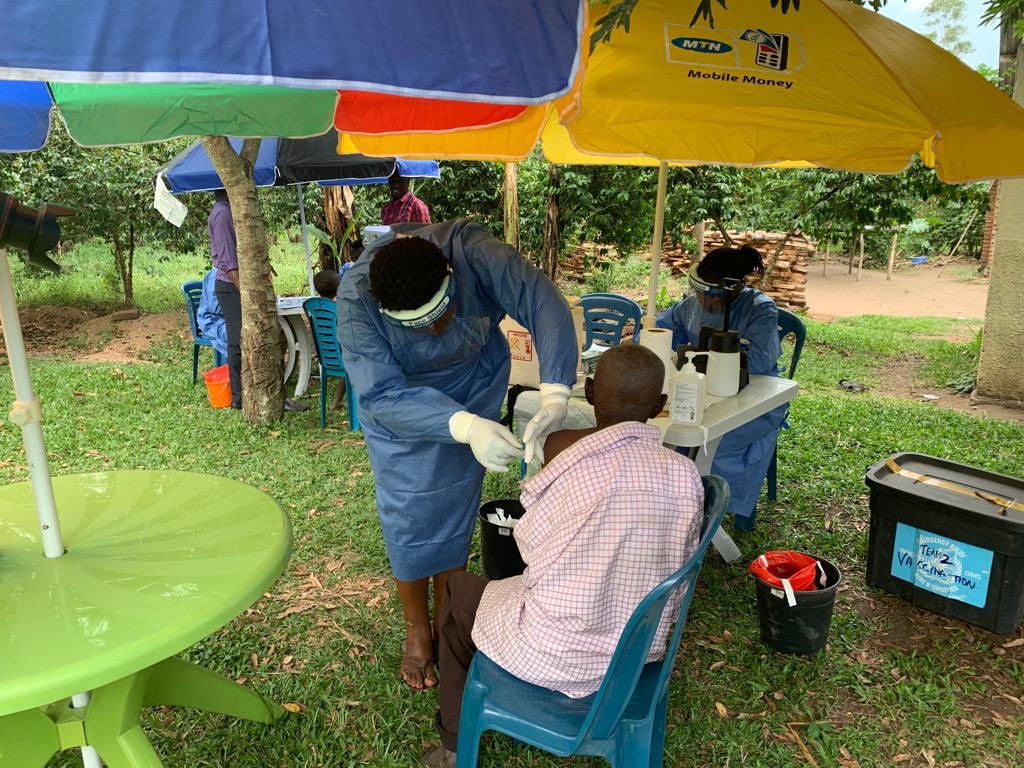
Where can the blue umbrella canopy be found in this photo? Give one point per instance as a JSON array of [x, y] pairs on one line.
[[293, 161]]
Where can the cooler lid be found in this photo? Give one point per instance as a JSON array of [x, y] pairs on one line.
[[999, 498]]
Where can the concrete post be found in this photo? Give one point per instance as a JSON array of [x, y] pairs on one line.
[[1001, 371]]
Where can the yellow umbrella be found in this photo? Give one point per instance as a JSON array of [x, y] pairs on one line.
[[830, 84]]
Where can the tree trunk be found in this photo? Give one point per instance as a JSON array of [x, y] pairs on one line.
[[860, 261], [123, 275], [510, 199], [698, 236], [549, 261], [129, 272], [338, 213], [892, 255], [824, 266], [262, 372], [724, 231]]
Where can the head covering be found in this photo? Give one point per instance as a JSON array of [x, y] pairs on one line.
[[427, 314]]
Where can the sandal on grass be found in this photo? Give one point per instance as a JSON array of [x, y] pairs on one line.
[[851, 386], [415, 668]]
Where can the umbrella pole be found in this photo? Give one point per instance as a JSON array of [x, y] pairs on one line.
[[90, 757], [27, 414], [659, 227], [305, 240]]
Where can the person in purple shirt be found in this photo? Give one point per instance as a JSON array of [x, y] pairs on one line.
[[224, 252]]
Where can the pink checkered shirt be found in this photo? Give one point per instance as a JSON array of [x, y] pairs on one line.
[[610, 518], [406, 208]]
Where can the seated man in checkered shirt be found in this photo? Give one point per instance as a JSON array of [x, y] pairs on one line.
[[612, 515]]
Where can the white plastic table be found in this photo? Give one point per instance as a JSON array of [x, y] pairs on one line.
[[300, 341], [761, 395]]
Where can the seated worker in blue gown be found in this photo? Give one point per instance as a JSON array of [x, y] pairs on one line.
[[209, 318], [744, 454], [419, 326]]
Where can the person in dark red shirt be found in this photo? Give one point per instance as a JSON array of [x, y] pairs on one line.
[[404, 205]]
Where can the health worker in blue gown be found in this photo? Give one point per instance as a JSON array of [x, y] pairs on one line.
[[744, 454], [418, 319]]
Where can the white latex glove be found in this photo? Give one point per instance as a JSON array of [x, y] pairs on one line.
[[492, 444], [554, 407]]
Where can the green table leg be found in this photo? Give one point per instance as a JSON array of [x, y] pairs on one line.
[[182, 684], [27, 739], [110, 723]]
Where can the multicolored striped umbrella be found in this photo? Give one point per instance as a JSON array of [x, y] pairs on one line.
[[256, 68]]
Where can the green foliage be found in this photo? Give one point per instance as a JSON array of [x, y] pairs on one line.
[[465, 190], [110, 188], [1014, 9], [611, 205]]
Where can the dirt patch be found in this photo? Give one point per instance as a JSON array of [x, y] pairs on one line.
[[917, 292], [53, 331], [130, 339], [56, 330], [899, 379]]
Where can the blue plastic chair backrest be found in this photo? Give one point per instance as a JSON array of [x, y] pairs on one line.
[[323, 319], [193, 292], [606, 315], [635, 643], [791, 324]]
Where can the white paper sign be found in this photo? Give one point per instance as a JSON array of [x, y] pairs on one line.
[[170, 207]]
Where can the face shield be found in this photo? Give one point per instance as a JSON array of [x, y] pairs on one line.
[[713, 297], [429, 313]]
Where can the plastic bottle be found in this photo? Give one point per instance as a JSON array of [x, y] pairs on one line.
[[688, 394], [724, 364]]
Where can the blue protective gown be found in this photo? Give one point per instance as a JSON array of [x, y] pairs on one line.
[[209, 318], [410, 382], [744, 454]]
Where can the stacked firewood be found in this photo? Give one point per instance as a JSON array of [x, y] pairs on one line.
[[587, 259], [787, 277]]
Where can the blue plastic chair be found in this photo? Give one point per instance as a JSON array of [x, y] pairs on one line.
[[788, 324], [193, 292], [323, 319], [624, 722], [606, 315]]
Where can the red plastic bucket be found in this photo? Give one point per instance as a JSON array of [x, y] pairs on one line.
[[218, 387]]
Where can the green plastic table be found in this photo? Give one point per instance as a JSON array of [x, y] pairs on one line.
[[155, 562]]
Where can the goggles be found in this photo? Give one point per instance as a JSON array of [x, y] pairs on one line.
[[429, 313]]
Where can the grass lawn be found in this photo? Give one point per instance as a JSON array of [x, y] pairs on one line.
[[896, 686]]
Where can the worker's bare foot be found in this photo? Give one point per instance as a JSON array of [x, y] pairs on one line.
[[417, 667]]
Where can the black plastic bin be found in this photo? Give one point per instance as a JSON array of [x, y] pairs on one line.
[[955, 548], [800, 629], [498, 548]]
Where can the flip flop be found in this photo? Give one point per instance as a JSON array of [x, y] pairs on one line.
[[851, 386], [415, 665]]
